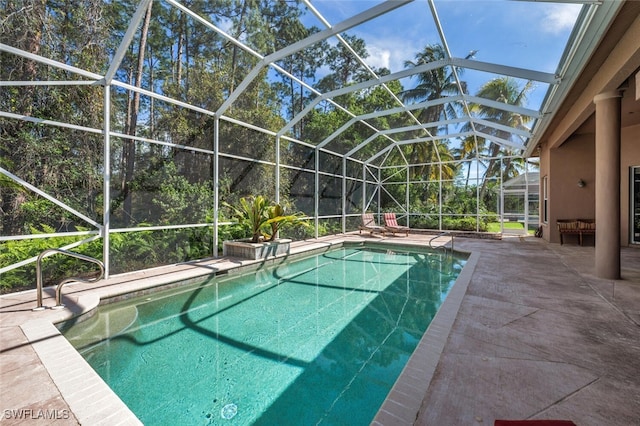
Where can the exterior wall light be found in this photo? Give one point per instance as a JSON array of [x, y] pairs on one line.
[[581, 183]]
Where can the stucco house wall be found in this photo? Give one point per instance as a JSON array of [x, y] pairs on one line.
[[572, 161], [575, 160]]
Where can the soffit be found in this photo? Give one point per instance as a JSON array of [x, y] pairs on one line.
[[584, 121]]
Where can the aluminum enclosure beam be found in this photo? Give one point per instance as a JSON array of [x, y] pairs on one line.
[[356, 20]]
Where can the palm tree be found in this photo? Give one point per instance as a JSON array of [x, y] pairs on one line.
[[432, 85], [505, 90], [469, 147]]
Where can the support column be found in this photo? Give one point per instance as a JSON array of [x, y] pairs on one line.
[[608, 185]]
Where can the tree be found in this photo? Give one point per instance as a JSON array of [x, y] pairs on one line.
[[303, 65], [62, 162], [432, 84], [343, 64], [133, 109], [22, 27], [505, 90], [469, 150]]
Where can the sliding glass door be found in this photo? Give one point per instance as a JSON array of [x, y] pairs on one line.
[[635, 205]]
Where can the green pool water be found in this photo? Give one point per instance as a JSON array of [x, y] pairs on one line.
[[320, 340]]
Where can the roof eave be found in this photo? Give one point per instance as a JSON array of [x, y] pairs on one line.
[[592, 25]]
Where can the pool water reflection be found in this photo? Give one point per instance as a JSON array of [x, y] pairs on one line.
[[317, 340]]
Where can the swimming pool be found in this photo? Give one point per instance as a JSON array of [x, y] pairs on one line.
[[318, 340]]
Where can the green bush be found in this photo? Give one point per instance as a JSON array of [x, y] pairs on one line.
[[231, 232], [464, 224], [54, 268], [425, 222], [129, 251], [145, 249]]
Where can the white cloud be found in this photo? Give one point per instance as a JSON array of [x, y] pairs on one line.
[[378, 57], [390, 52], [560, 17]]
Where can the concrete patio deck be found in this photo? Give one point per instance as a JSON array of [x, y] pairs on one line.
[[534, 335], [538, 336]]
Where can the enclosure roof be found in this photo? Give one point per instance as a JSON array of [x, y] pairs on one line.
[[530, 180], [541, 46]]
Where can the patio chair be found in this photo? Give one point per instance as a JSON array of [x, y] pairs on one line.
[[369, 224], [391, 224]]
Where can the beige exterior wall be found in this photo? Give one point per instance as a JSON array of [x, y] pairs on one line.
[[569, 163], [574, 160], [567, 147], [544, 176]]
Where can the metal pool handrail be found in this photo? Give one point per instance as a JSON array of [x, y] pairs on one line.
[[49, 252], [442, 234]]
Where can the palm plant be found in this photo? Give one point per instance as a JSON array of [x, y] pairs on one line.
[[276, 218], [468, 150], [505, 90], [258, 215], [448, 169], [432, 84]]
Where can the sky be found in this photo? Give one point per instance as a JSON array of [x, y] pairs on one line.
[[523, 34], [530, 35]]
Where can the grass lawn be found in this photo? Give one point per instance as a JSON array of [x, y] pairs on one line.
[[495, 226]]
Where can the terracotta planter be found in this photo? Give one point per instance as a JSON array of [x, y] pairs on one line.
[[255, 251]]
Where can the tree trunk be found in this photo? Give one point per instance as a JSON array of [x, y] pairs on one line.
[[129, 149], [180, 52], [30, 37], [234, 61]]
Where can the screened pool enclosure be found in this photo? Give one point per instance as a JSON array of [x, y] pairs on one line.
[[128, 128]]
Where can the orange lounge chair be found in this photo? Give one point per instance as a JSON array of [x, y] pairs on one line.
[[369, 224], [391, 224]]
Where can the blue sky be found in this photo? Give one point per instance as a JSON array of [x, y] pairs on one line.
[[515, 33], [523, 34]]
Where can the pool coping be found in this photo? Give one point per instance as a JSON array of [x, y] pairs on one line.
[[92, 401], [403, 402]]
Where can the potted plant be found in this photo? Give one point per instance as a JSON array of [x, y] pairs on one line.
[[263, 221]]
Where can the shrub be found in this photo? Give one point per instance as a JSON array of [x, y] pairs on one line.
[[54, 268]]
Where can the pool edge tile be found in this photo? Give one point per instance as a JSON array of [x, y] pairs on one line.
[[49, 345], [426, 356]]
